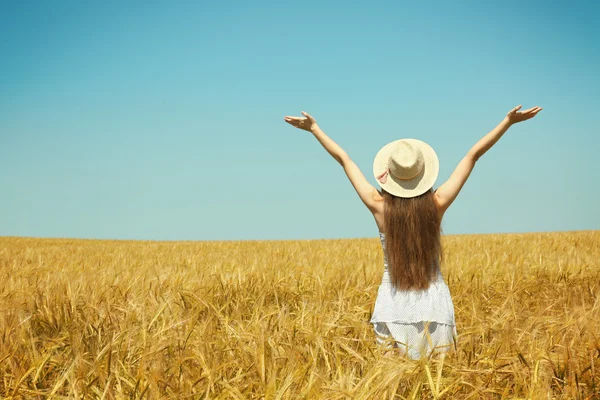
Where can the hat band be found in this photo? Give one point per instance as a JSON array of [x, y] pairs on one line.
[[382, 178]]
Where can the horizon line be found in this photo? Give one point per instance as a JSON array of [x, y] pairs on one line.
[[278, 240]]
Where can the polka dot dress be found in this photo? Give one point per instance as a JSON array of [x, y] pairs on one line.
[[417, 322]]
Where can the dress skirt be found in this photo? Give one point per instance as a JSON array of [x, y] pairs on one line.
[[418, 339], [419, 322]]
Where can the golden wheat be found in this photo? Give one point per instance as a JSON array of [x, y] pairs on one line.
[[289, 320]]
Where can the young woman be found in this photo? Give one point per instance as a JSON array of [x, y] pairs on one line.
[[413, 308]]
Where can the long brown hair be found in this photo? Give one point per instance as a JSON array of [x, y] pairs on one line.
[[412, 239]]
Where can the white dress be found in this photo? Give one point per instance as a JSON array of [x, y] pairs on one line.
[[420, 322]]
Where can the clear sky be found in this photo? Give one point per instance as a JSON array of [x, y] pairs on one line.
[[164, 120]]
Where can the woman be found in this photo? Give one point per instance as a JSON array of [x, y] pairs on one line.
[[413, 308]]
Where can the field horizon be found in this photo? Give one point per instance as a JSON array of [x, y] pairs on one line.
[[282, 240]]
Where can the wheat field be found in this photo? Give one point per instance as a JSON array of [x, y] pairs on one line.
[[289, 320]]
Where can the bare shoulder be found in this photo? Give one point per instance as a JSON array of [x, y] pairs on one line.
[[378, 209], [439, 204], [377, 196], [378, 202]]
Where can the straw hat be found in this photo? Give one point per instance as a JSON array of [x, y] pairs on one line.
[[406, 167]]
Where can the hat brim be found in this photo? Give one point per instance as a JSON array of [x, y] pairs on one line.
[[408, 187]]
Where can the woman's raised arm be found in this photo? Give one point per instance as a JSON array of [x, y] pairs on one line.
[[446, 193], [367, 193]]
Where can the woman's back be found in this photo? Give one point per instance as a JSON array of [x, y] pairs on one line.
[[412, 227]]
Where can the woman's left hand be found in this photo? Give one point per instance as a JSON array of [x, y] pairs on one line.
[[307, 124], [515, 116]]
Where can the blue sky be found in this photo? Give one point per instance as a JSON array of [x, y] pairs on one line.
[[164, 120]]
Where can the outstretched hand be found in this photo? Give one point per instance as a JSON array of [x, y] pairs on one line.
[[307, 124], [515, 115]]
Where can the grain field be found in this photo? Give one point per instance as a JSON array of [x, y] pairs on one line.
[[289, 320]]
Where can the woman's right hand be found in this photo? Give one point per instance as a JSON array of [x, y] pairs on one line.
[[515, 115], [308, 123]]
